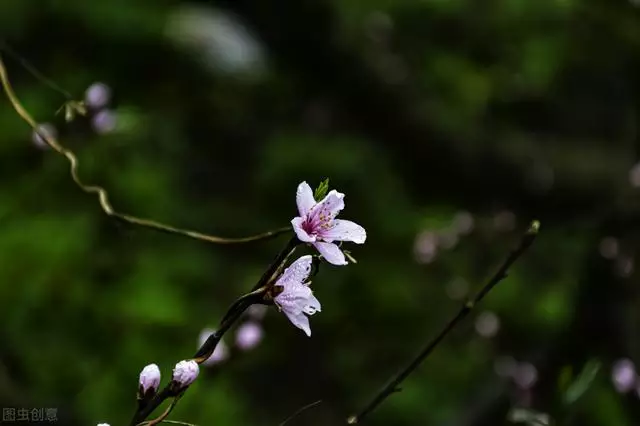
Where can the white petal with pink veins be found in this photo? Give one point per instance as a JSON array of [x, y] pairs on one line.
[[302, 235], [304, 199], [297, 273], [329, 207], [296, 300], [344, 230], [331, 253]]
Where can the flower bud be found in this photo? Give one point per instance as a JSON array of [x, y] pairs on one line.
[[257, 312], [45, 129], [220, 353], [185, 373], [624, 375], [248, 335], [104, 121], [97, 95], [149, 380]]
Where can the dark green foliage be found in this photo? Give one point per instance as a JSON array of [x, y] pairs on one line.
[[421, 112]]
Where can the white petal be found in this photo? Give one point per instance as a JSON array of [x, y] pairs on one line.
[[302, 235], [297, 273], [304, 199], [300, 320], [294, 297], [312, 306], [331, 205], [331, 253], [344, 230]]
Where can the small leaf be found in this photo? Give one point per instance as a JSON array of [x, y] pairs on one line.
[[80, 107], [69, 113], [348, 255], [71, 108], [583, 382], [321, 190]]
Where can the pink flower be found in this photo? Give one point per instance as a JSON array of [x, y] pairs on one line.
[[318, 226], [296, 299]]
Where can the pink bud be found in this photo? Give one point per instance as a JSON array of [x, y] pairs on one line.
[[624, 375], [104, 121], [45, 129], [97, 95], [248, 335], [185, 373], [149, 379], [220, 353]]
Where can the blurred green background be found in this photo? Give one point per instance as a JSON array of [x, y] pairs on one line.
[[449, 124]]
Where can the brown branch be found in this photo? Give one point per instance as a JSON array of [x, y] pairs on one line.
[[103, 196], [234, 312], [392, 386]]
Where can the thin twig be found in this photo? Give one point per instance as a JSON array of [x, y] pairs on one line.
[[102, 194], [234, 312], [200, 356], [277, 265], [4, 45], [163, 415], [392, 386], [300, 411]]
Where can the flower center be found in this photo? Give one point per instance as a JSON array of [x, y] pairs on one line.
[[308, 227], [318, 221]]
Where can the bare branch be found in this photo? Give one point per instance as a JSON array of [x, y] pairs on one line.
[[103, 196], [392, 386]]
